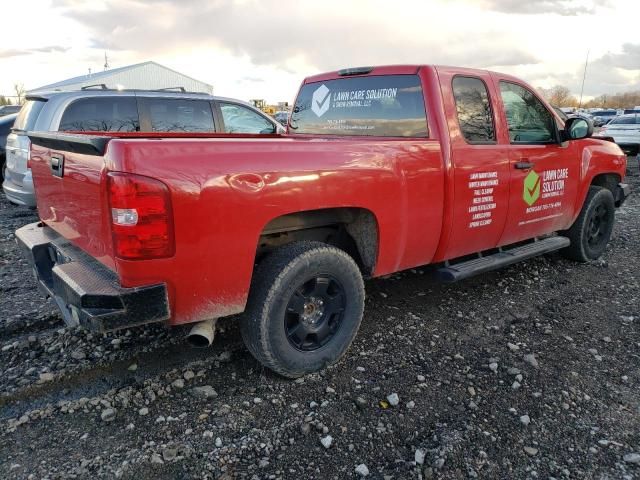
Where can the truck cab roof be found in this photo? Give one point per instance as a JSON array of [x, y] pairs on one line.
[[408, 69]]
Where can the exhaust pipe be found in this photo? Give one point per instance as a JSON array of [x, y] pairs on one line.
[[202, 333]]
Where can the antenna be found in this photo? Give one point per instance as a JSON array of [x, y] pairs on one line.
[[584, 75], [89, 72], [106, 62]]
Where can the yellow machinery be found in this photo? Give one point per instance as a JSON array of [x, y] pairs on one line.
[[262, 105]]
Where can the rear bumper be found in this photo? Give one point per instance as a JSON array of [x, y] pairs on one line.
[[87, 292], [622, 192], [21, 194]]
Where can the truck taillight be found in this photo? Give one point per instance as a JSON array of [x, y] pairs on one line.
[[141, 217], [29, 155]]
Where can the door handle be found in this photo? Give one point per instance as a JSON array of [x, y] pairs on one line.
[[523, 165], [57, 165]]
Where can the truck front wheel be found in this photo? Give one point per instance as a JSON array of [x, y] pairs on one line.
[[304, 309], [592, 229]]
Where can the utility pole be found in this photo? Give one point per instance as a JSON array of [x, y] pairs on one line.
[[584, 75], [106, 62]]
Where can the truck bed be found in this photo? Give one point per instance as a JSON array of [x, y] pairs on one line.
[[225, 189]]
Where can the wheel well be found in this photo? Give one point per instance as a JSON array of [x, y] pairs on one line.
[[607, 180], [354, 230]]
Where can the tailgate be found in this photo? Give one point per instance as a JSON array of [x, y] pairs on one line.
[[68, 176]]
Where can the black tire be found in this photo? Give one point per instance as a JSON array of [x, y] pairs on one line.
[[286, 304], [591, 231]]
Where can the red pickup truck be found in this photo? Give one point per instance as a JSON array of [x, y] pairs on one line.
[[382, 169]]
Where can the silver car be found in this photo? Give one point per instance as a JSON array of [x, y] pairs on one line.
[[625, 130], [18, 183], [122, 111]]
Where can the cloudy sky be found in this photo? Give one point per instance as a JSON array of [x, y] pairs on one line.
[[263, 48]]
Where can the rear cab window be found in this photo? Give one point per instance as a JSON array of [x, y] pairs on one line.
[[385, 106], [101, 114]]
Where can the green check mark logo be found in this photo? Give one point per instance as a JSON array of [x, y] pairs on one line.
[[531, 191]]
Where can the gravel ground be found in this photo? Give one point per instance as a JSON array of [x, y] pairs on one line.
[[528, 372]]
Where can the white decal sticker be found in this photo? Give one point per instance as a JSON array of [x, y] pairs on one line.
[[482, 202], [321, 100], [547, 185]]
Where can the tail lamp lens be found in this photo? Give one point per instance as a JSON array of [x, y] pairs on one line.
[[141, 217]]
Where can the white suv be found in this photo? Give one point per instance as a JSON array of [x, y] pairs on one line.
[[122, 111]]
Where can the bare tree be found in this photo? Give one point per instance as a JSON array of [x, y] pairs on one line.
[[618, 100], [559, 96], [20, 91]]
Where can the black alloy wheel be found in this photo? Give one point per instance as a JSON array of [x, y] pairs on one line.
[[304, 308], [314, 313]]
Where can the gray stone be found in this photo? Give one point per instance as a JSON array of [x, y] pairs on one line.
[[632, 458], [205, 391], [326, 441], [46, 377], [362, 470], [78, 355], [169, 454], [178, 383], [393, 399], [531, 451], [108, 414], [530, 358]]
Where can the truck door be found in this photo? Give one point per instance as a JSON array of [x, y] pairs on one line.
[[480, 163], [544, 172]]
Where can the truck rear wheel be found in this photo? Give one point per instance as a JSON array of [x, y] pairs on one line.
[[304, 309], [592, 229]]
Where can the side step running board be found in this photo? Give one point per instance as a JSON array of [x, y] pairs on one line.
[[469, 268]]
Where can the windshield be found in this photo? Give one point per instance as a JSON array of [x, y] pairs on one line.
[[626, 120], [385, 105], [28, 115]]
